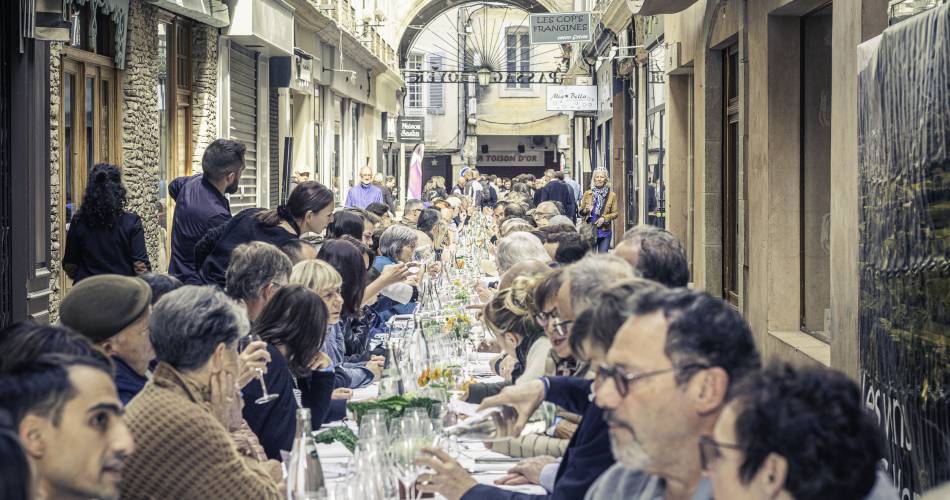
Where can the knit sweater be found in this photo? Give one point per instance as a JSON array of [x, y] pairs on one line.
[[182, 451]]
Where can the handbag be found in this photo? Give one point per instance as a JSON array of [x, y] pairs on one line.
[[588, 233]]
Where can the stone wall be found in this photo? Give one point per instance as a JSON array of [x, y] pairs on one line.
[[55, 186], [204, 96], [140, 126]]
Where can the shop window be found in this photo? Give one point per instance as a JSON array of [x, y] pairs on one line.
[[816, 172], [517, 57], [730, 177], [656, 137], [414, 93], [175, 83]]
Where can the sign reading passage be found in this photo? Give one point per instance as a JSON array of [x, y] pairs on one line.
[[510, 159], [565, 27], [572, 97], [411, 129]]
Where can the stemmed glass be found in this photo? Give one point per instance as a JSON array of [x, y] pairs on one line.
[[266, 397]]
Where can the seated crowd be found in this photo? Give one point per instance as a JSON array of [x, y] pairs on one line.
[[186, 385]]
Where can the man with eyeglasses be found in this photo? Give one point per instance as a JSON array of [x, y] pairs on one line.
[[543, 213], [256, 272], [666, 379]]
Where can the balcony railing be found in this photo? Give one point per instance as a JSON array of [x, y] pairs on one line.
[[344, 15]]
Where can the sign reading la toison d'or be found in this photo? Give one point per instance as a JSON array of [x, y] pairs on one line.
[[563, 27]]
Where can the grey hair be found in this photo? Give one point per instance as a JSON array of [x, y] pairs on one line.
[[561, 220], [601, 170], [187, 325], [253, 266], [593, 274], [517, 247], [395, 238], [411, 205], [660, 255]]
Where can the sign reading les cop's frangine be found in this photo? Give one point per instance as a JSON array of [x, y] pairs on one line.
[[572, 97], [562, 27], [410, 129]]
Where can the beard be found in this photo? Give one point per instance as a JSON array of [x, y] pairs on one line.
[[233, 187], [631, 455]]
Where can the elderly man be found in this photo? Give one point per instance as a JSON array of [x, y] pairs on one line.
[[364, 193], [666, 379], [180, 420], [113, 311], [544, 212], [256, 271], [68, 418], [588, 453], [200, 203], [655, 254], [517, 247]]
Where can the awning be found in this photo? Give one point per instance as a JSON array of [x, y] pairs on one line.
[[211, 12], [263, 25], [655, 7]]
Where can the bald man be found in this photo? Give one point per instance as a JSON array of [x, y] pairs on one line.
[[364, 193]]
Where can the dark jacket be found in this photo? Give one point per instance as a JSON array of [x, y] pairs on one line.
[[588, 454], [388, 199], [213, 252], [559, 191], [127, 382], [274, 423], [106, 250], [199, 206]]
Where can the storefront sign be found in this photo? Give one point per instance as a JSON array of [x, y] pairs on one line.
[[411, 129], [572, 98], [563, 27], [605, 87], [463, 77], [510, 159]]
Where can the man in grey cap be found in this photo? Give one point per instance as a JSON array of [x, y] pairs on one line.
[[113, 312]]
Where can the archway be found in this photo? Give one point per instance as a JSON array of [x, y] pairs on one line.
[[425, 11]]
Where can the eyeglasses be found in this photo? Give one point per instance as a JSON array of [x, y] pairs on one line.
[[561, 327], [710, 451], [622, 379], [544, 316]]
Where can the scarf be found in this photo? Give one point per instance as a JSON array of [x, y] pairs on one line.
[[600, 200]]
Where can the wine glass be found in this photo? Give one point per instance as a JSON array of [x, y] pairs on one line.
[[266, 397]]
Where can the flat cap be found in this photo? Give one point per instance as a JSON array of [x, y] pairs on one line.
[[100, 306]]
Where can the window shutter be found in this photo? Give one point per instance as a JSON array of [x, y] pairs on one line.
[[436, 91]]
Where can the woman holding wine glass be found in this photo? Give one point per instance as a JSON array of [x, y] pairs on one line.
[[294, 325]]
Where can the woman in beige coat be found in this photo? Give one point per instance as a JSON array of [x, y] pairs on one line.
[[598, 208]]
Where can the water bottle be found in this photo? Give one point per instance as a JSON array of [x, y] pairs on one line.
[[304, 474]]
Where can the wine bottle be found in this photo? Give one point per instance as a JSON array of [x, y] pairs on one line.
[[304, 474], [491, 424]]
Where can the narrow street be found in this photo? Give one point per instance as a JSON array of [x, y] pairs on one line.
[[797, 150]]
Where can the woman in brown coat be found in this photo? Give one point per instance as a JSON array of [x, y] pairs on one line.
[[599, 208]]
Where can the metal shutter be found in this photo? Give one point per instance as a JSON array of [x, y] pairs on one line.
[[243, 117], [274, 153]]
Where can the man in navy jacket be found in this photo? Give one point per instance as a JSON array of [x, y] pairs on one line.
[[200, 204], [558, 190]]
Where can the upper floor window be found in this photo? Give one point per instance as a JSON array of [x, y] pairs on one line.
[[414, 92], [517, 56]]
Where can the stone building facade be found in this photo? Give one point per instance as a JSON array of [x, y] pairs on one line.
[[137, 128]]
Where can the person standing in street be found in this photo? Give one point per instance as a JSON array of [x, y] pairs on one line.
[[599, 208], [379, 180], [200, 204], [557, 190], [103, 238], [575, 187], [361, 195]]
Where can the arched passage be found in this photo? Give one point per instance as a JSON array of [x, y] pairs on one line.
[[425, 11]]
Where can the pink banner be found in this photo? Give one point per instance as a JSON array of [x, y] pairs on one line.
[[415, 172]]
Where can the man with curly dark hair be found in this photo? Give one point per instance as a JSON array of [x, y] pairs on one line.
[[799, 433]]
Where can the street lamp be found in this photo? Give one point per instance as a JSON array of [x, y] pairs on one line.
[[484, 76]]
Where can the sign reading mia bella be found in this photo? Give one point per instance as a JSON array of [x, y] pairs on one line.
[[572, 97], [563, 27], [410, 129], [510, 159]]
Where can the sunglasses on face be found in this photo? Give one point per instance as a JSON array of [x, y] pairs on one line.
[[710, 451], [622, 380]]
